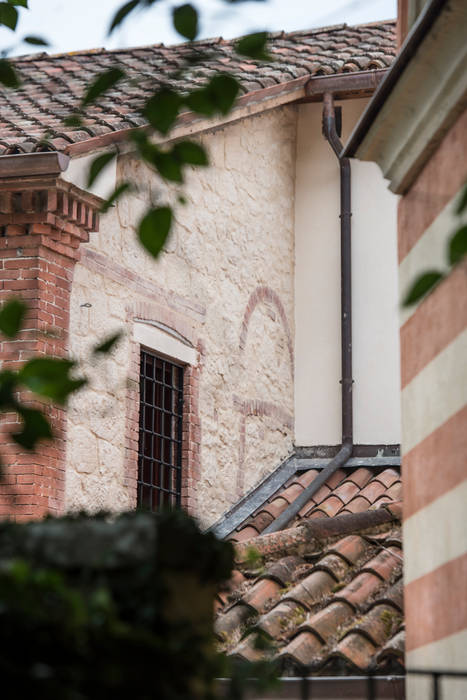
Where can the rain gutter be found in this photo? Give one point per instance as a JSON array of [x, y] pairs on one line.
[[330, 132]]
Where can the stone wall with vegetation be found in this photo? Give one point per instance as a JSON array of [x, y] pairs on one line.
[[225, 283]]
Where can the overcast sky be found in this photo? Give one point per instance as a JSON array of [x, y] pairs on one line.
[[70, 25]]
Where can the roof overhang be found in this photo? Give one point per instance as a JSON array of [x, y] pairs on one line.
[[304, 89], [419, 99]]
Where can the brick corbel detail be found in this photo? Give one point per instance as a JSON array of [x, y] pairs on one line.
[[43, 221]]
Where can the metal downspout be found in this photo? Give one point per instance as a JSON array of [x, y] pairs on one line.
[[345, 451]]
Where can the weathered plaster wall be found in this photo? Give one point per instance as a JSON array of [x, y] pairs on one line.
[[317, 292], [225, 282]]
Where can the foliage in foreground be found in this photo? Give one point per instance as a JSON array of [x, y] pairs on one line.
[[456, 250], [121, 606], [52, 378]]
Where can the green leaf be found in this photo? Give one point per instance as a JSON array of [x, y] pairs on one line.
[[191, 153], [161, 110], [8, 15], [97, 165], [217, 96], [185, 21], [115, 196], [121, 13], [19, 3], [107, 345], [50, 377], [422, 285], [458, 245], [154, 229], [199, 101], [12, 315], [36, 41], [101, 84], [8, 382], [35, 427], [168, 166], [8, 75], [224, 89], [462, 205], [73, 120], [254, 46]]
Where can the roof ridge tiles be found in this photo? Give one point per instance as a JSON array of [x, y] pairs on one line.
[[210, 41], [306, 534]]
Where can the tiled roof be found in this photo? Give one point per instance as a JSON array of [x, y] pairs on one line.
[[344, 492], [53, 85], [324, 601]]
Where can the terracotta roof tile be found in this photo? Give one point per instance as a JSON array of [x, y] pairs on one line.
[[329, 592], [362, 476], [346, 491], [339, 612], [357, 505], [330, 506], [261, 594], [53, 85], [373, 490], [392, 654]]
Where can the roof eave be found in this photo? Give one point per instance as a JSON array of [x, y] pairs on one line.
[[304, 89], [414, 106]]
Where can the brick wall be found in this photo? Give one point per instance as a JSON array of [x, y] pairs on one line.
[[40, 234]]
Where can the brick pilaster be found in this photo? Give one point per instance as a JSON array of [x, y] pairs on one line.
[[42, 223]]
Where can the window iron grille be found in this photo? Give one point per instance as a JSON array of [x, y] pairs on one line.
[[160, 433]]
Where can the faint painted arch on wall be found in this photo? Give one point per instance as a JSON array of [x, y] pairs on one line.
[[266, 419], [260, 295]]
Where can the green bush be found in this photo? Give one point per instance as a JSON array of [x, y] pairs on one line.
[[110, 607]]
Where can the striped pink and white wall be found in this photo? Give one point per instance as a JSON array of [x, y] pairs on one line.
[[434, 417]]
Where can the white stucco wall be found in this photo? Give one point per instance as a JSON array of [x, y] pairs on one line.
[[234, 237], [317, 292]]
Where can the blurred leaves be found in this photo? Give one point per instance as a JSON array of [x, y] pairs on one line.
[[121, 14], [9, 15], [190, 153], [53, 379], [154, 229], [107, 345], [456, 251], [423, 284], [458, 246], [35, 41], [254, 46], [462, 204], [50, 378], [161, 110], [8, 75], [217, 96], [12, 315], [104, 81], [185, 21], [97, 165], [115, 196], [35, 427], [73, 120]]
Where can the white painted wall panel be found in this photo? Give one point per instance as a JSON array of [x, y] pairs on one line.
[[317, 292]]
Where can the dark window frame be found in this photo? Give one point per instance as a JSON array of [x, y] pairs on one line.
[[159, 480]]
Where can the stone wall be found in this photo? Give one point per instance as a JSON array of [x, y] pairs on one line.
[[225, 283]]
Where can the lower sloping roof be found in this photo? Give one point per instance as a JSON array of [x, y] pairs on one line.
[[325, 595]]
